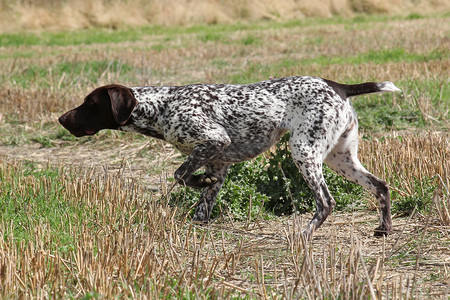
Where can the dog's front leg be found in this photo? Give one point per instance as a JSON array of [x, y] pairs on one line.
[[202, 154], [209, 194]]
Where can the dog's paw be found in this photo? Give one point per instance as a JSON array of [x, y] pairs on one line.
[[381, 231], [202, 180], [208, 180]]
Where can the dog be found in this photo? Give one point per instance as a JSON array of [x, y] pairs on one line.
[[217, 125]]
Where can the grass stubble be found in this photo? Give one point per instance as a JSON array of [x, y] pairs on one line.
[[97, 229], [115, 239]]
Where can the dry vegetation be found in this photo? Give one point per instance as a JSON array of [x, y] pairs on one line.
[[132, 246], [129, 244], [76, 14], [94, 220]]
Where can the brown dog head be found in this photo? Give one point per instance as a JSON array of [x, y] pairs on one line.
[[107, 107]]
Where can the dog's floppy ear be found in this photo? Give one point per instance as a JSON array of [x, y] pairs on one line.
[[122, 103]]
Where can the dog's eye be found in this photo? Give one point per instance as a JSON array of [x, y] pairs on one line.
[[89, 102]]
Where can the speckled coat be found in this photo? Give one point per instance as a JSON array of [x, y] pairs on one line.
[[217, 125]]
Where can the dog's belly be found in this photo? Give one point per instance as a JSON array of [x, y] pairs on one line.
[[246, 148], [243, 146]]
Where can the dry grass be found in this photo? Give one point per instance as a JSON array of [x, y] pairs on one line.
[[407, 158], [129, 243], [136, 247], [115, 14]]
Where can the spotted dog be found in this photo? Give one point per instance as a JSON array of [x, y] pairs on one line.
[[217, 125]]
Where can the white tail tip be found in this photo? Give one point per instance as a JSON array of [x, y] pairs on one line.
[[388, 86]]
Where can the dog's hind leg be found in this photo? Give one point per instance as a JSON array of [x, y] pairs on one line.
[[308, 159], [209, 194], [344, 161]]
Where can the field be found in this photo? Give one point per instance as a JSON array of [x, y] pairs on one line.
[[92, 217]]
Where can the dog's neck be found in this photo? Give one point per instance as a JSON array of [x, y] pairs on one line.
[[146, 117]]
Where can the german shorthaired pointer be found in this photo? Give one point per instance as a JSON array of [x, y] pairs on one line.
[[217, 125]]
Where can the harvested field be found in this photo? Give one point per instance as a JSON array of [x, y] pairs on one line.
[[91, 217]]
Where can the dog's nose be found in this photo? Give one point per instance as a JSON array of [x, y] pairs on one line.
[[62, 119]]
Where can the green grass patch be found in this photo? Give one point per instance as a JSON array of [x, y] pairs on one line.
[[427, 105], [58, 204], [49, 76], [250, 40], [259, 71], [377, 113], [77, 37], [19, 54], [31, 198], [45, 141], [380, 57], [211, 37], [158, 47], [103, 35]]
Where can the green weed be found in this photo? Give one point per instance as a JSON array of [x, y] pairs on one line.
[[250, 40], [414, 16], [239, 190], [288, 189], [158, 47], [211, 37], [45, 141], [420, 198], [272, 184]]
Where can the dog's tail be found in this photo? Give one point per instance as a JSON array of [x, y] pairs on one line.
[[351, 90]]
